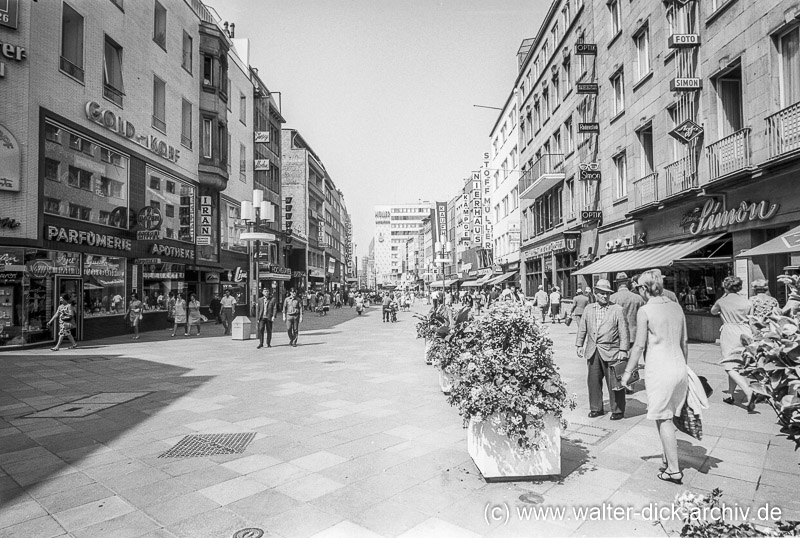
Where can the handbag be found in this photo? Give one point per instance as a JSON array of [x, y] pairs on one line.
[[203, 318], [617, 369], [689, 423], [568, 321]]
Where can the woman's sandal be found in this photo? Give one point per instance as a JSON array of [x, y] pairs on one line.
[[751, 405], [74, 347], [55, 349], [728, 400], [668, 477]]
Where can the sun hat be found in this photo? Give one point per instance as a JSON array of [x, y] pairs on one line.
[[603, 285], [621, 277]]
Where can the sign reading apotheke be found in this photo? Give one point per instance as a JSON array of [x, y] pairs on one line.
[[110, 120], [80, 237]]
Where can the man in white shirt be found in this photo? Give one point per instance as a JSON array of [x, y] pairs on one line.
[[228, 306]]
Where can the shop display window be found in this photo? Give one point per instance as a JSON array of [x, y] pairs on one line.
[[168, 193], [103, 286], [86, 181], [159, 280], [238, 291]]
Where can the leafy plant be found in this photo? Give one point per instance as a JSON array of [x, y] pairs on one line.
[[703, 517], [504, 372]]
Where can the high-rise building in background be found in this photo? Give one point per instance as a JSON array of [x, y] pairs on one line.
[[394, 225]]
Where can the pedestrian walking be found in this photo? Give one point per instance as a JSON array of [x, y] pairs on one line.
[[134, 314], [579, 303], [180, 315], [214, 307], [386, 306], [604, 331], [266, 310], [359, 303], [292, 316], [66, 320], [734, 309], [540, 300], [661, 339], [629, 301], [193, 318], [171, 307], [762, 305], [555, 305], [590, 295], [228, 307]]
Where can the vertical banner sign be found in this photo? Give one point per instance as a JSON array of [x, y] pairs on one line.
[[486, 173], [204, 237], [441, 220], [474, 212]]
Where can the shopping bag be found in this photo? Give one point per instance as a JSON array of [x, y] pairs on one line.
[[689, 423], [568, 321]]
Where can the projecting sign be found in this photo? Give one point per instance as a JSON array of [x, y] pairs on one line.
[[590, 128], [261, 164], [261, 137], [683, 40], [685, 84], [203, 240], [10, 161], [589, 172], [586, 49], [588, 87], [686, 131], [589, 216]]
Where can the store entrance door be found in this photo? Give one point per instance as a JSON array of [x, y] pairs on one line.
[[74, 287]]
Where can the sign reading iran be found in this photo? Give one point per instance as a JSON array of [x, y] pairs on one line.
[[80, 237], [712, 216]]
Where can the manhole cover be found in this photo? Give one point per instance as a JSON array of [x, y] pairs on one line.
[[212, 444], [531, 498], [248, 533]]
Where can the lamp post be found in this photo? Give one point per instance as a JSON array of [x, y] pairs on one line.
[[443, 247], [254, 214]]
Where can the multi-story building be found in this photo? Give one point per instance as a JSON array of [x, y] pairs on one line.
[[689, 149], [116, 126], [394, 225], [502, 171]]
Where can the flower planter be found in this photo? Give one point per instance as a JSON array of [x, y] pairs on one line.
[[445, 381], [428, 344], [499, 459]]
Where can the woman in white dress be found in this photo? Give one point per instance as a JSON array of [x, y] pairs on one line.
[[661, 335]]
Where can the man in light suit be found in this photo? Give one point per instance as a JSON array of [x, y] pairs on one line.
[[630, 303], [605, 332]]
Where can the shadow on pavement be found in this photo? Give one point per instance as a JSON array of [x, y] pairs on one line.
[[34, 450]]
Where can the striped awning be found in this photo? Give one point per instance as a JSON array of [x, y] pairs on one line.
[[501, 278], [447, 283], [646, 258], [470, 284], [783, 244]]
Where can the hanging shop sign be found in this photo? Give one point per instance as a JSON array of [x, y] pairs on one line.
[[212, 277], [586, 49], [591, 216], [10, 161], [170, 251], [9, 13], [713, 217], [109, 119], [683, 84], [588, 88], [589, 128], [149, 218], [441, 219], [626, 242], [204, 235], [81, 237], [683, 40], [331, 265], [589, 172], [261, 164], [298, 274], [261, 137], [686, 131]]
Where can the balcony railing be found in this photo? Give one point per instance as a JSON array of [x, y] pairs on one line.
[[550, 165], [783, 129], [729, 154], [645, 190], [681, 175]]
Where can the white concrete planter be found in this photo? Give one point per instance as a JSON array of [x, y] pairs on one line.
[[445, 381], [499, 459]]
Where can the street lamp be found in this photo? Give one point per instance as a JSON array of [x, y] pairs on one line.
[[254, 214], [442, 248]]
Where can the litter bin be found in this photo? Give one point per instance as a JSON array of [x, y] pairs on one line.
[[240, 328]]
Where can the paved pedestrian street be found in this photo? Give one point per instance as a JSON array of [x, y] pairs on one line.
[[347, 434]]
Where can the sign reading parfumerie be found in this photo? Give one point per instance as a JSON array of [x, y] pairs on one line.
[[80, 237]]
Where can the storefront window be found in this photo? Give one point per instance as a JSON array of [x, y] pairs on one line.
[[159, 281], [176, 201], [103, 286], [231, 227], [83, 179]]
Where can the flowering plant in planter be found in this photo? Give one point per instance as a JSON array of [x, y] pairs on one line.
[[772, 362], [505, 373]]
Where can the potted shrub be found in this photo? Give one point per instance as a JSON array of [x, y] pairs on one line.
[[772, 362], [510, 394], [426, 329]]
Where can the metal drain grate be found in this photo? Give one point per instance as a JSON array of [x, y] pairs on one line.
[[588, 435], [210, 444], [250, 532]]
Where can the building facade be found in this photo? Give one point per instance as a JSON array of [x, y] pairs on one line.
[[113, 183], [394, 225]]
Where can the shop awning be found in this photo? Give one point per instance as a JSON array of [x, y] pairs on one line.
[[783, 244], [447, 283], [470, 284], [646, 258], [699, 263], [274, 276], [501, 278]]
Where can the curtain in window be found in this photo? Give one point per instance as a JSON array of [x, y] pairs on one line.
[[790, 43], [730, 99], [72, 36]]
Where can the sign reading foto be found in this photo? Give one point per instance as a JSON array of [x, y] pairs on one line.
[[683, 40]]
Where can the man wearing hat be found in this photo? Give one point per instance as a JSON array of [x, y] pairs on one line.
[[579, 304], [630, 303], [605, 332]]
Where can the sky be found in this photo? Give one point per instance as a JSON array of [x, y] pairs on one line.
[[384, 90]]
